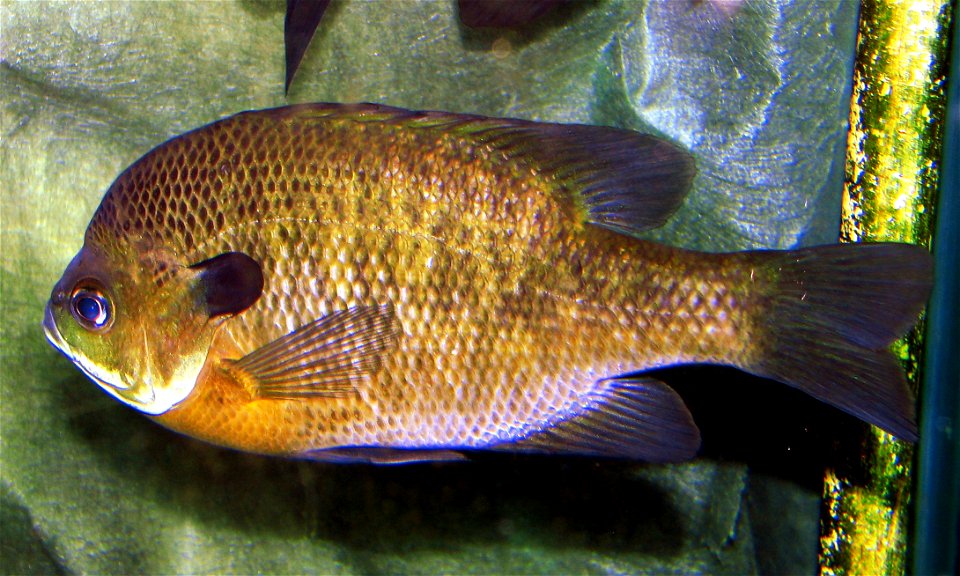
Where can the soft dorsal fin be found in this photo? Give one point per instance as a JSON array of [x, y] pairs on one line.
[[628, 181], [625, 180], [634, 418], [325, 358]]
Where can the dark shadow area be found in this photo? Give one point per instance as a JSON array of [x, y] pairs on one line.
[[563, 14], [787, 439], [539, 501], [773, 428], [549, 502]]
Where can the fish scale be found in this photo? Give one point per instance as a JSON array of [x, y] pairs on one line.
[[441, 282]]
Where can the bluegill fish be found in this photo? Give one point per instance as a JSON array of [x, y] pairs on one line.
[[364, 283]]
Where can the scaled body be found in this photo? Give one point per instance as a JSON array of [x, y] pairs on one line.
[[432, 282]]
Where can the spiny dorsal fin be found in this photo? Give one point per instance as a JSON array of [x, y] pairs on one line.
[[325, 358], [635, 418], [626, 180]]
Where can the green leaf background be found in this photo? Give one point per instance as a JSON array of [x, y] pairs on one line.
[[758, 92]]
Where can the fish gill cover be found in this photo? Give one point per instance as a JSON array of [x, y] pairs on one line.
[[757, 92]]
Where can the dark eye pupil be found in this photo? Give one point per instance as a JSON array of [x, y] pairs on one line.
[[89, 308]]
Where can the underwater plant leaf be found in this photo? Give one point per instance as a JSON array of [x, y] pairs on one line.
[[757, 92]]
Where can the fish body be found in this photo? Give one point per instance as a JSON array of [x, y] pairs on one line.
[[359, 282]]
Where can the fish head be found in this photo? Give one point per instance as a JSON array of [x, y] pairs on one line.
[[139, 323]]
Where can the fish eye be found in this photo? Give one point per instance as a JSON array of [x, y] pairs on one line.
[[91, 308]]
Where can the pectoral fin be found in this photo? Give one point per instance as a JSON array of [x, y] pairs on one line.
[[325, 358], [633, 418]]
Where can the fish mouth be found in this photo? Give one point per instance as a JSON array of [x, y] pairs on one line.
[[52, 333], [56, 340]]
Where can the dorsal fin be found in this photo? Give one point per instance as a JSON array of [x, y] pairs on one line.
[[628, 181], [625, 180], [325, 358]]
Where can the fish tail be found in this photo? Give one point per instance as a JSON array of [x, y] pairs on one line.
[[829, 321]]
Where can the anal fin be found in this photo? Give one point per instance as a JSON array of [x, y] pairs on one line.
[[325, 358], [382, 455], [634, 418]]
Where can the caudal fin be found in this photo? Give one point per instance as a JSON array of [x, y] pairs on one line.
[[832, 315]]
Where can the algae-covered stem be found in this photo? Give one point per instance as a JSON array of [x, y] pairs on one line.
[[938, 463], [892, 175]]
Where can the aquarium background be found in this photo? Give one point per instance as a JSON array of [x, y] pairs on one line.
[[758, 92]]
